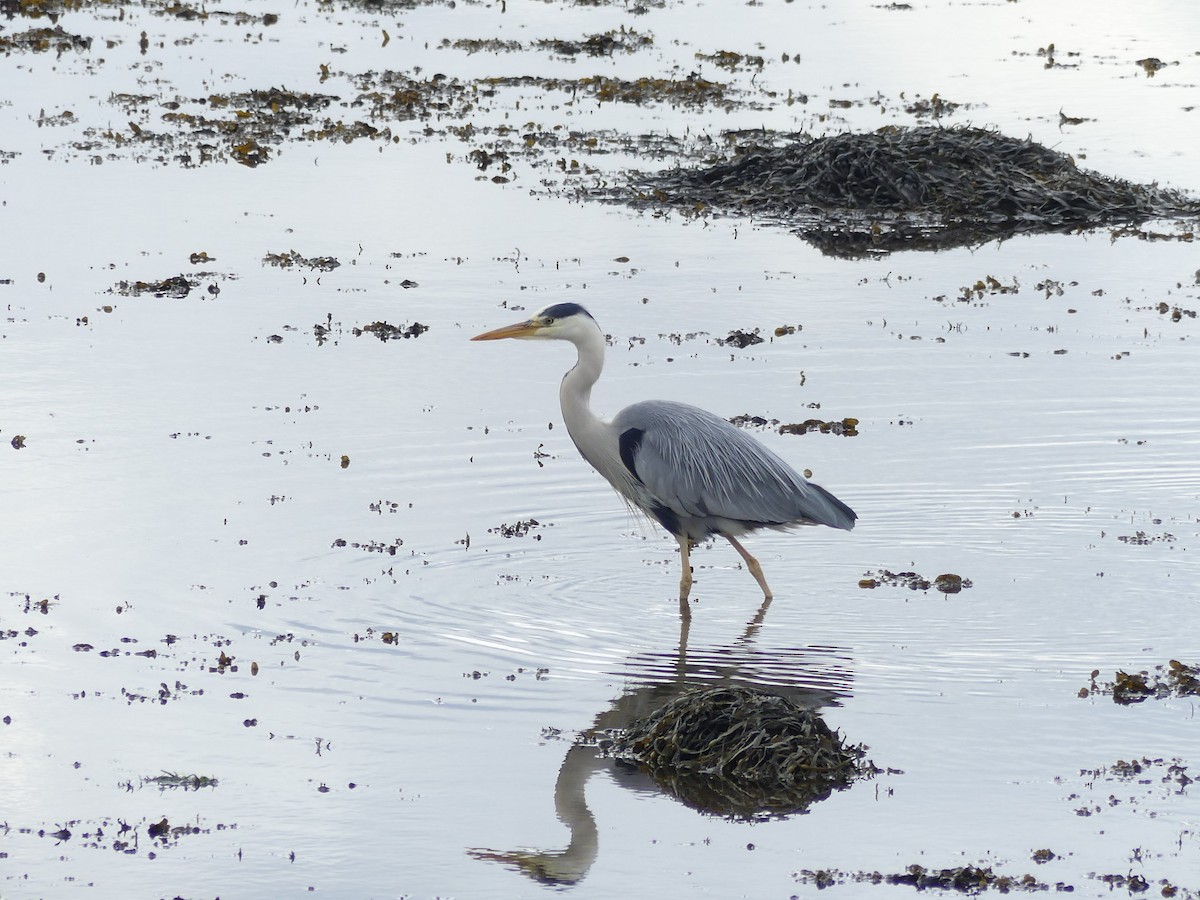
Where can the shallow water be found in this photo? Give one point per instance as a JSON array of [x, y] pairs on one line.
[[421, 678]]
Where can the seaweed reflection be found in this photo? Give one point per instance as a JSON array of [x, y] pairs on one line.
[[773, 690]]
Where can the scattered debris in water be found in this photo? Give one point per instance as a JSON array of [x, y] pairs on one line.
[[40, 40], [972, 879], [1141, 539], [748, 420], [399, 97], [176, 287], [331, 330], [244, 127], [1175, 679], [291, 258], [741, 752], [481, 45], [388, 548], [965, 879], [987, 286], [1175, 777], [1177, 313], [386, 332], [517, 529], [731, 60], [690, 91], [947, 583], [934, 108], [176, 780], [120, 836], [1151, 65], [1146, 783], [740, 339], [623, 40], [860, 194], [369, 634], [847, 427]]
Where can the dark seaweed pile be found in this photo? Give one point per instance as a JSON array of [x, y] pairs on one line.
[[744, 753], [908, 188]]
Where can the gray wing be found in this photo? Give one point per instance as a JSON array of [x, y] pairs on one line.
[[701, 470]]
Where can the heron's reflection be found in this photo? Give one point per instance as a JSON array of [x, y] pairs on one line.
[[810, 677]]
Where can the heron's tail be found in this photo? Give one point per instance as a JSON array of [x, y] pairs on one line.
[[826, 509]]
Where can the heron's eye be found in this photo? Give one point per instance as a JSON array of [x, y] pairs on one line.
[[549, 320]]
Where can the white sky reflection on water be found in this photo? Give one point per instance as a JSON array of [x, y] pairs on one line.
[[181, 471]]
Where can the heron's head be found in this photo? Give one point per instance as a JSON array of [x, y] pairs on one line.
[[561, 321]]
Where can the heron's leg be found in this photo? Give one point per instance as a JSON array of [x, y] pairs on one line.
[[752, 565], [685, 581]]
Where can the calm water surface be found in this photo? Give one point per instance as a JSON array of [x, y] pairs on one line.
[[231, 550]]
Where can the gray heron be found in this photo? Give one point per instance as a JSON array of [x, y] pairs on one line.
[[693, 472]]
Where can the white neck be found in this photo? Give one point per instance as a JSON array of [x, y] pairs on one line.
[[575, 393]]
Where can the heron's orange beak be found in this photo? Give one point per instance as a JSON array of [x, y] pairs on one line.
[[524, 329]]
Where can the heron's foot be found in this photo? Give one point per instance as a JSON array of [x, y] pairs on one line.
[[752, 565], [757, 572]]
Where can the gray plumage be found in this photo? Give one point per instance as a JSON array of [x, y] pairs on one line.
[[704, 476], [692, 471]]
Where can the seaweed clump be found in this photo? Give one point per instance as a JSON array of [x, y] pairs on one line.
[[287, 259], [1175, 679], [743, 753], [244, 127], [692, 91], [41, 40], [517, 529], [176, 287], [388, 332], [847, 427], [928, 187], [947, 582]]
